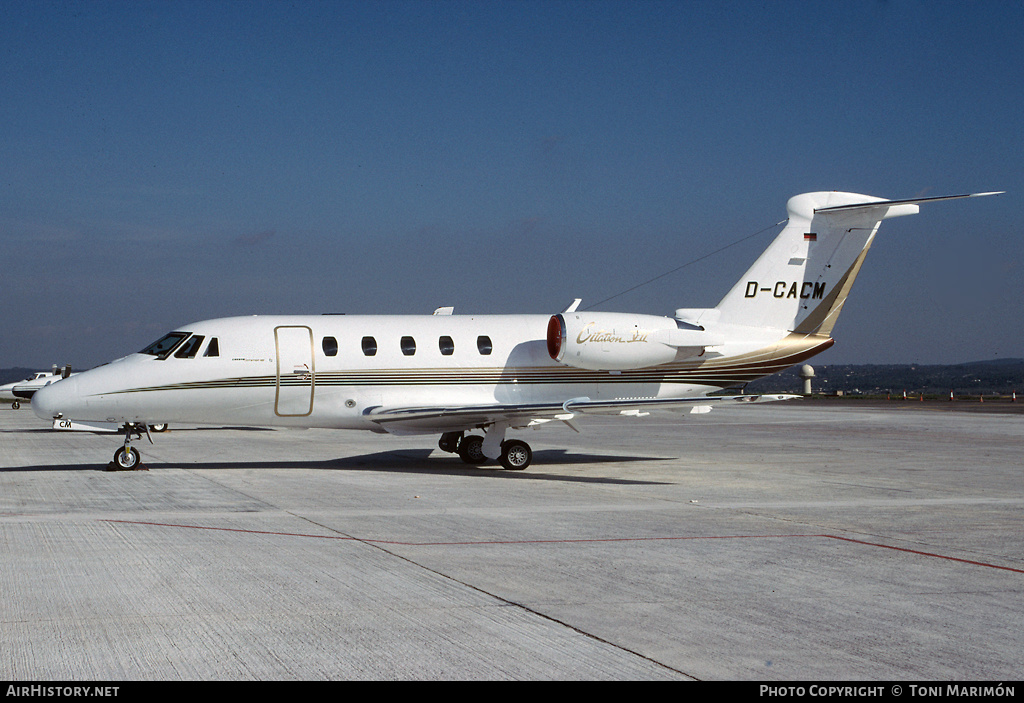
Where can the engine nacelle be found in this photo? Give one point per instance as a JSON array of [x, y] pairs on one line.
[[609, 341]]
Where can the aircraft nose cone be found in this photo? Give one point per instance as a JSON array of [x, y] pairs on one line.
[[49, 401]]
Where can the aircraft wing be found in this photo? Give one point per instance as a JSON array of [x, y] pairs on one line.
[[416, 420]]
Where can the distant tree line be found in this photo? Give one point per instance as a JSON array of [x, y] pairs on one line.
[[17, 374], [988, 377]]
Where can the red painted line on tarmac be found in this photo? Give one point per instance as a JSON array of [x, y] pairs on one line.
[[447, 544], [235, 529], [926, 554], [570, 541]]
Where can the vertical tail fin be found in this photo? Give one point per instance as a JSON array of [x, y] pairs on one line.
[[801, 281]]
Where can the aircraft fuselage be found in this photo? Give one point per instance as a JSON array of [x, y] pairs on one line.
[[334, 371]]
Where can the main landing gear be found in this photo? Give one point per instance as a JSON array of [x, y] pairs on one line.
[[513, 454]]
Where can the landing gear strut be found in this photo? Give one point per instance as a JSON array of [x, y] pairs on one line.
[[515, 454]]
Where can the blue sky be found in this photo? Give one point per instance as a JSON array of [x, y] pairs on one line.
[[167, 162]]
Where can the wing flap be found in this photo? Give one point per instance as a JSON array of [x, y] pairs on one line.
[[430, 420]]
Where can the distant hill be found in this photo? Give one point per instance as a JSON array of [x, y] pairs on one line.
[[1002, 376], [15, 374], [995, 362]]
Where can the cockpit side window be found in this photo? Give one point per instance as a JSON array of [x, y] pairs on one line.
[[213, 349], [163, 347], [189, 349]]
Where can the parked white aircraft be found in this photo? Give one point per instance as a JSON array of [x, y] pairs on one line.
[[24, 390], [452, 374], [7, 390]]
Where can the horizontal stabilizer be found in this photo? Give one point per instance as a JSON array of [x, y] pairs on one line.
[[909, 201]]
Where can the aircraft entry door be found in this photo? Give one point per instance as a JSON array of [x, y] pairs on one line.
[[296, 376]]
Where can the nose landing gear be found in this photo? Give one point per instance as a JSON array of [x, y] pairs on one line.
[[127, 458]]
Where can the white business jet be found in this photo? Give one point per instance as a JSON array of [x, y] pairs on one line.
[[24, 390], [453, 374], [7, 390]]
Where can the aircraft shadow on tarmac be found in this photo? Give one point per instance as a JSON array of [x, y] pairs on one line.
[[404, 461], [427, 461]]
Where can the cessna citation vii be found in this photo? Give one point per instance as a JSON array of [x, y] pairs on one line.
[[453, 374]]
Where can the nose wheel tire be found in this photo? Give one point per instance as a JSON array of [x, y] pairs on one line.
[[126, 458]]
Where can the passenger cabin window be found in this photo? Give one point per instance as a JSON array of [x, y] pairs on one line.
[[213, 349], [189, 349], [163, 347], [369, 346], [447, 346], [483, 344], [330, 346], [408, 346]]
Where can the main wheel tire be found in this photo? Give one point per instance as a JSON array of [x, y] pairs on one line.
[[516, 454], [471, 449], [126, 458], [162, 427]]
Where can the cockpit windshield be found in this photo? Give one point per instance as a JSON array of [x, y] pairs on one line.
[[189, 349], [163, 347]]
